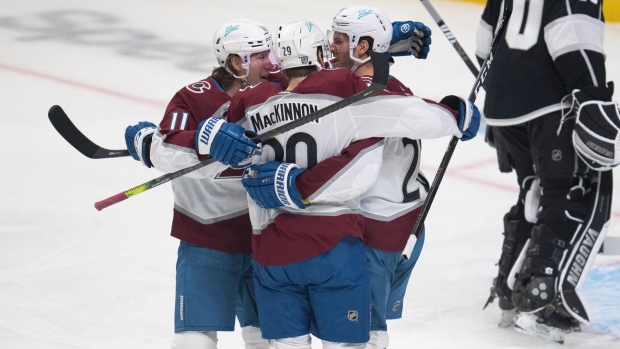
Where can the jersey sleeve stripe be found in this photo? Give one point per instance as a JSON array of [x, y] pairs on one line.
[[484, 37], [573, 33]]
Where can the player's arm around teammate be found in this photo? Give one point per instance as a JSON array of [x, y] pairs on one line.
[[214, 272]]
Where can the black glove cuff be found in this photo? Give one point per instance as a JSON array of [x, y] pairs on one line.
[[598, 93], [453, 102], [146, 155]]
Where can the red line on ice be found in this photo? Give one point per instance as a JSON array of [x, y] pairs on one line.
[[81, 85]]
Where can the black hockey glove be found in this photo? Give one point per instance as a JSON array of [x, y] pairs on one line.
[[596, 135]]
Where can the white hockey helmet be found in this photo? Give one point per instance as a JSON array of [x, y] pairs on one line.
[[297, 42], [242, 37], [359, 21]]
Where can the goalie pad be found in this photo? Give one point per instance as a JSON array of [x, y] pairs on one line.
[[596, 136], [517, 231], [585, 246], [514, 271], [532, 200]]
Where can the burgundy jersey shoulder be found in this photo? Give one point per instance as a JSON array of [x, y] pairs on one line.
[[396, 86], [335, 82], [278, 78], [250, 96], [192, 104], [393, 86]]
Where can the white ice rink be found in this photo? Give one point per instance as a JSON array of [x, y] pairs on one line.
[[73, 277]]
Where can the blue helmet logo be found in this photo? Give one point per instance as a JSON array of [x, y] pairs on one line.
[[231, 28], [363, 13]]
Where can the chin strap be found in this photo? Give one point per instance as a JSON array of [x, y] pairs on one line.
[[243, 78], [357, 61]]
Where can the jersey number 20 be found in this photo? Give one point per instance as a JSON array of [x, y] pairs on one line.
[[289, 148]]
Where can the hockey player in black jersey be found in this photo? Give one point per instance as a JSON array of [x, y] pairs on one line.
[[551, 121]]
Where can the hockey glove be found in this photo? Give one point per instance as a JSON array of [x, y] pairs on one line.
[[273, 185], [225, 142], [468, 115], [596, 135], [410, 38], [138, 139]]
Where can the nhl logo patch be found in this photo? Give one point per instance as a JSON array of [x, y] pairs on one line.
[[352, 316], [396, 306], [556, 155]]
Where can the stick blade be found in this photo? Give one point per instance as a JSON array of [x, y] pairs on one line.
[[77, 139]]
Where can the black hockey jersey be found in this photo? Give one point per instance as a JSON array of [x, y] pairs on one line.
[[549, 49]]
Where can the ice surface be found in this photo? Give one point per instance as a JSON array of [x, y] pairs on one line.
[[73, 277]]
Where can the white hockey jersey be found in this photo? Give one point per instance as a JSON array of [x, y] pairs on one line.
[[392, 204], [284, 236], [210, 205]]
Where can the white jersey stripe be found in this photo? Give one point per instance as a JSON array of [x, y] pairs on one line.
[[574, 33], [184, 121], [527, 117], [484, 37], [174, 120]]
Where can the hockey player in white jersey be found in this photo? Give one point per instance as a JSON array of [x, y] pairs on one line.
[[214, 272], [552, 122], [196, 226], [310, 264], [392, 205]]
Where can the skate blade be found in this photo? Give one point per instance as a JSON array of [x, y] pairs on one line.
[[508, 318], [526, 323]]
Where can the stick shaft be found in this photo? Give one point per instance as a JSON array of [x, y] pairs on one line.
[[379, 80], [448, 33], [486, 65]]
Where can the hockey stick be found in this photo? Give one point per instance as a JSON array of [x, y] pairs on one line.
[[77, 139], [448, 33], [488, 137], [379, 80], [501, 28]]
